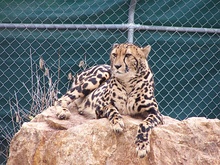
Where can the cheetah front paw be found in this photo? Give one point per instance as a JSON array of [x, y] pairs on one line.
[[62, 113], [118, 126], [142, 148]]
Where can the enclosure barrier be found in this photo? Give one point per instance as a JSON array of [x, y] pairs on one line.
[[40, 52]]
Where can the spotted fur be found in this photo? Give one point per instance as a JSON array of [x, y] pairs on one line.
[[124, 88]]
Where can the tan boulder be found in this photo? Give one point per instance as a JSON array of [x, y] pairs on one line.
[[79, 141]]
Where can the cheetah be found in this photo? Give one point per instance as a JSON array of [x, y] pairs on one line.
[[126, 87]]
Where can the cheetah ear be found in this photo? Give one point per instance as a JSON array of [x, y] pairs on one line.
[[114, 45], [146, 50]]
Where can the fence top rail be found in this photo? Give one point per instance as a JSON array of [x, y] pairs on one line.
[[107, 26]]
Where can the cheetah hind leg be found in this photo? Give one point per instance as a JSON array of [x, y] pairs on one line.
[[62, 113], [86, 82], [62, 107], [73, 98]]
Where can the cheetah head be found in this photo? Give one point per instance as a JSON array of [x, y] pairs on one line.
[[128, 59]]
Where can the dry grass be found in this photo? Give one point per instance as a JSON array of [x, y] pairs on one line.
[[43, 92]]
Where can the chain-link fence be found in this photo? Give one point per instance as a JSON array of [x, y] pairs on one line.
[[41, 42]]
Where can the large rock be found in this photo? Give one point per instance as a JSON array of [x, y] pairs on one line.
[[79, 141]]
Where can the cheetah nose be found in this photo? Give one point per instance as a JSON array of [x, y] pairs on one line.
[[118, 66]]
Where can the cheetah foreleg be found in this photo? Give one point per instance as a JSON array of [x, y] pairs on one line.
[[143, 134], [115, 118]]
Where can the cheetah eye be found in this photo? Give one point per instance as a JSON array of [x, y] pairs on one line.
[[114, 55], [128, 55]]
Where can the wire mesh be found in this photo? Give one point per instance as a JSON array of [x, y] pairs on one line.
[[186, 64]]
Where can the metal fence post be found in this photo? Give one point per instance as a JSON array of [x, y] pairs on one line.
[[131, 20]]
